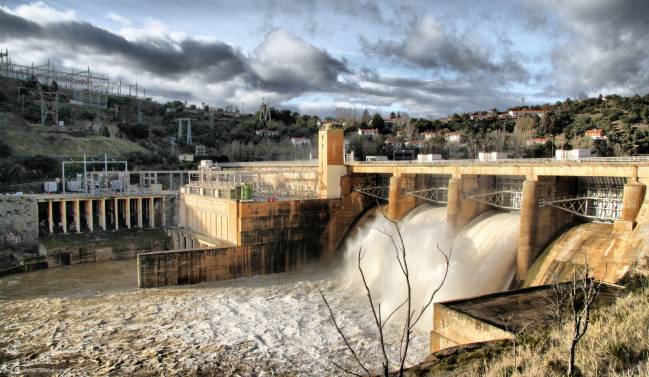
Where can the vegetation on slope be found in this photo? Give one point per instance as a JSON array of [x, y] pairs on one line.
[[616, 344]]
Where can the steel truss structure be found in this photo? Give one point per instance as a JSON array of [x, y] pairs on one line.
[[378, 192], [508, 200], [265, 184], [88, 88], [600, 209], [507, 194], [437, 195]]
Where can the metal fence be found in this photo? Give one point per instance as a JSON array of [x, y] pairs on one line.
[[582, 160]]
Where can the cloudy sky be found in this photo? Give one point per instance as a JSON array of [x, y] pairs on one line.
[[428, 58]]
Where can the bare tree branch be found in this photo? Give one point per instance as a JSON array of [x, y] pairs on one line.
[[377, 320], [412, 316], [342, 335], [345, 370], [447, 261]]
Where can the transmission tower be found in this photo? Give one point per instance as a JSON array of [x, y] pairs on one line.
[[188, 134], [49, 104], [264, 113]]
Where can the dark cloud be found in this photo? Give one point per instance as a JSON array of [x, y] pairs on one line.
[[216, 61], [606, 48], [428, 45], [283, 63]]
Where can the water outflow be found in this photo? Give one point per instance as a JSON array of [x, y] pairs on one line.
[[482, 260]]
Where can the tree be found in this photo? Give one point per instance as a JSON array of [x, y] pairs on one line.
[[378, 123], [365, 118], [575, 300], [381, 320]]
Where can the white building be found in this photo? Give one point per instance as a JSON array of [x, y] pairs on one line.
[[453, 137], [428, 157], [368, 131], [300, 142], [573, 154], [491, 156], [186, 157], [376, 158]]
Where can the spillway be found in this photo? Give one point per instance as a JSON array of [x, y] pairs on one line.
[[92, 316], [482, 256]]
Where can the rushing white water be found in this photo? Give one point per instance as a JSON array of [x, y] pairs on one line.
[[91, 318], [482, 257]]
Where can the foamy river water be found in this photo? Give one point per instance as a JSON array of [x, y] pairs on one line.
[[90, 319]]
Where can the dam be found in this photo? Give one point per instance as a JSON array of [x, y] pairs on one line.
[[293, 229]]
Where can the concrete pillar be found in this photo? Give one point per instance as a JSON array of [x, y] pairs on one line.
[[139, 213], [453, 201], [539, 225], [152, 212], [89, 215], [102, 214], [64, 216], [50, 217], [177, 245], [163, 209], [127, 207], [116, 214], [527, 228], [77, 216], [632, 199], [461, 210], [400, 204]]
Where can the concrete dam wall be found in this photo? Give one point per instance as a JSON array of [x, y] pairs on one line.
[[222, 238]]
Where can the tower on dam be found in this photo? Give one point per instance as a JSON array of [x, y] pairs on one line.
[[331, 164]]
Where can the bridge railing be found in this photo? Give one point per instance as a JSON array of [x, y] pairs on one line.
[[582, 160]]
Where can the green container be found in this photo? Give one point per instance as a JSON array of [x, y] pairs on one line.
[[246, 192]]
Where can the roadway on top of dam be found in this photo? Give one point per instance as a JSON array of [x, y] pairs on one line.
[[629, 167]]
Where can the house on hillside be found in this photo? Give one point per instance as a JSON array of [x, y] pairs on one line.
[[596, 134], [266, 132], [368, 131], [486, 116], [524, 112], [428, 135], [453, 137], [536, 141], [187, 157], [300, 142]]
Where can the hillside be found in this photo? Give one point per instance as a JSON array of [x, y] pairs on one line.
[[31, 151], [29, 140]]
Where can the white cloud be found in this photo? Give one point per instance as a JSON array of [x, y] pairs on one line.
[[152, 29], [117, 18], [286, 61], [41, 13]]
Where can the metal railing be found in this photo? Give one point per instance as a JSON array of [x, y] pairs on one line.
[[581, 160]]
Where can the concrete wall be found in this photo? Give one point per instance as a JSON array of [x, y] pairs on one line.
[[18, 221], [178, 267], [62, 250], [264, 237], [453, 328], [210, 216], [18, 230]]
